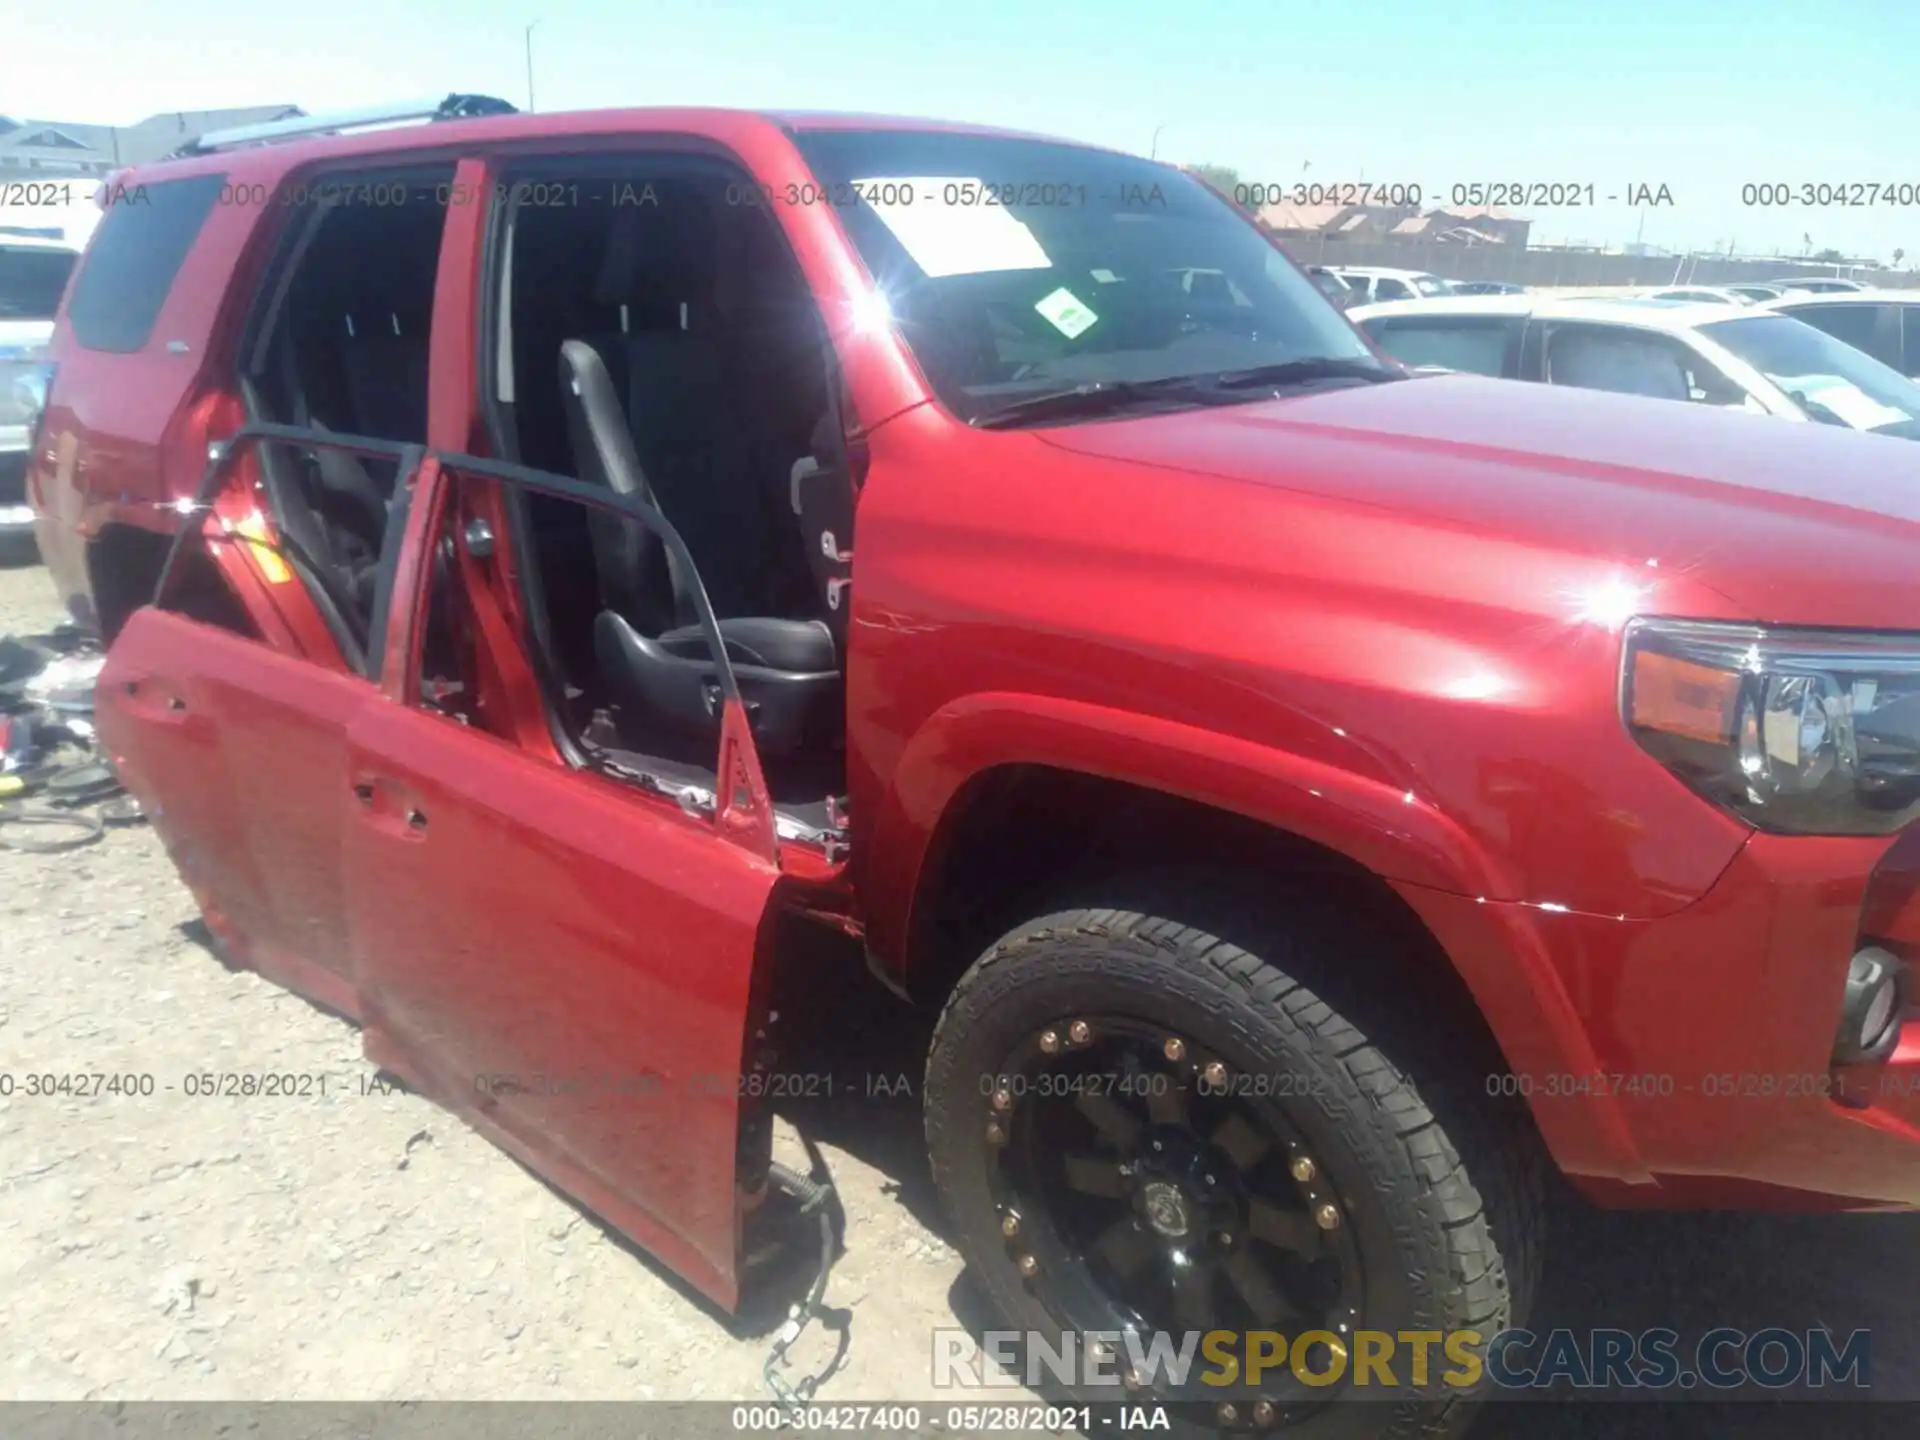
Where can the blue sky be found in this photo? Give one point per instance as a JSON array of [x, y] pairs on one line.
[[1701, 96]]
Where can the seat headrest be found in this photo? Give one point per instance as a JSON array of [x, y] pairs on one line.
[[657, 253]]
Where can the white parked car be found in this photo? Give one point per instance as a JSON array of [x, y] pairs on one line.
[[1375, 284], [1884, 323], [33, 275], [1699, 294], [1745, 358], [1820, 285]]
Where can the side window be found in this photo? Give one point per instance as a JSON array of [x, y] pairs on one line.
[[1911, 317], [656, 337], [1631, 362], [1385, 287], [338, 345], [1476, 345], [136, 251], [1857, 325]]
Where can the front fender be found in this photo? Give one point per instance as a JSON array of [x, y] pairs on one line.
[[1395, 834]]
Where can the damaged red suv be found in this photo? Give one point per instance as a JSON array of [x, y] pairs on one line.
[[547, 559]]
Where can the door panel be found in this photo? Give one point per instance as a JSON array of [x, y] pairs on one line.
[[570, 962], [238, 754], [567, 961]]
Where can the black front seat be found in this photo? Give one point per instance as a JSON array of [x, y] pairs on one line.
[[648, 643]]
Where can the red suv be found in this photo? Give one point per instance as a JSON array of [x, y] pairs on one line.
[[1316, 797]]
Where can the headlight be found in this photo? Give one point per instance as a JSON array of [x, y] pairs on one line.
[[1809, 732]]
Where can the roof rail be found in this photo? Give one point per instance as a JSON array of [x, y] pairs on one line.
[[450, 107]]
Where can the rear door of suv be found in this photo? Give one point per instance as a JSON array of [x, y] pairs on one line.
[[227, 702]]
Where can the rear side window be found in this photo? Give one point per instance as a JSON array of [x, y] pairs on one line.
[[1478, 346], [1623, 361], [1387, 288], [135, 254], [1857, 325], [1911, 313]]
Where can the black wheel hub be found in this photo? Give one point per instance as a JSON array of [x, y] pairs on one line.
[[1144, 1185]]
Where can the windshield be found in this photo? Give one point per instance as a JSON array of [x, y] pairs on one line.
[[1827, 378], [31, 281], [1016, 268], [1431, 285]]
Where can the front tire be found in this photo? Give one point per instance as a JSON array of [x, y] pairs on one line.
[[1135, 1120]]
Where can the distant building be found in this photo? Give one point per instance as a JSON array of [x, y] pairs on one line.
[[1303, 219], [64, 149], [1470, 225]]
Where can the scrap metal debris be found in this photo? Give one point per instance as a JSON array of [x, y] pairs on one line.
[[48, 749]]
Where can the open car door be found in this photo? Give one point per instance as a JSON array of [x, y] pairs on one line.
[[568, 961], [224, 706]]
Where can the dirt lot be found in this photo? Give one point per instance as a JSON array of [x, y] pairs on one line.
[[367, 1246]]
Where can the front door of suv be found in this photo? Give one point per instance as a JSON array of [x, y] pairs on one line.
[[567, 960]]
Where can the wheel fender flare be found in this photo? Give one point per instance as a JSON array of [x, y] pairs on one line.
[[1392, 832]]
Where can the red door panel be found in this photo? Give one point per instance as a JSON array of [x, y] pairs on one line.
[[238, 752], [567, 962]]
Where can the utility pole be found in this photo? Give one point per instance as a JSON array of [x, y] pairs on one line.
[[529, 40]]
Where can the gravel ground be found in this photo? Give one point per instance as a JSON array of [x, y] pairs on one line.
[[361, 1245], [368, 1246]]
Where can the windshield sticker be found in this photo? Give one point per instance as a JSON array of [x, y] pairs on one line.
[[945, 236], [1063, 310], [1848, 401]]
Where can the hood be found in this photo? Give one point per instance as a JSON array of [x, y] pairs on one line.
[[1792, 523]]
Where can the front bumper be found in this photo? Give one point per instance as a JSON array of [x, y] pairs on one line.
[[1686, 1061]]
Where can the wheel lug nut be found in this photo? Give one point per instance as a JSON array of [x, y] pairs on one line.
[[1080, 1032], [995, 1135], [1225, 1237], [1228, 1414], [1050, 1041], [1029, 1266], [1263, 1413], [1327, 1218], [1003, 1099], [1302, 1169], [1215, 1075], [1175, 1049], [1010, 1226]]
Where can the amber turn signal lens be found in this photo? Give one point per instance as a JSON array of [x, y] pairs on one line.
[[1680, 697]]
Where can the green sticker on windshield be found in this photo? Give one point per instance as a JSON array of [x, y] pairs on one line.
[[1063, 310]]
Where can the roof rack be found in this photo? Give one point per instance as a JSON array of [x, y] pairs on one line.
[[450, 107]]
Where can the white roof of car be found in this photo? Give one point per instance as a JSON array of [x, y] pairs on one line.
[[1381, 271], [1669, 315], [1843, 297], [36, 242]]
